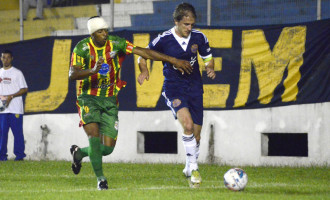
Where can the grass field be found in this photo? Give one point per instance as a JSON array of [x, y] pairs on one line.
[[54, 180]]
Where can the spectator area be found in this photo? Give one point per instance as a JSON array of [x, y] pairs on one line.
[[235, 13], [157, 15], [57, 18]]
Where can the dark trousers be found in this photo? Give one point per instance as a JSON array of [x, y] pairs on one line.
[[15, 122]]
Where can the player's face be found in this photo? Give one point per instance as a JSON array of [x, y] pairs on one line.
[[100, 37], [183, 28], [6, 59]]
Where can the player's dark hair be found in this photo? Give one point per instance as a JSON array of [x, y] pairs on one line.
[[8, 52], [182, 10]]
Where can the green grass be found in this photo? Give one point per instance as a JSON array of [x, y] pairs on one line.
[[54, 180]]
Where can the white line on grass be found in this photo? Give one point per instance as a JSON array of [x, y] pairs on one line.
[[110, 189], [252, 185]]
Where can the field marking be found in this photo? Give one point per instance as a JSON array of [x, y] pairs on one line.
[[253, 185], [112, 189], [49, 175]]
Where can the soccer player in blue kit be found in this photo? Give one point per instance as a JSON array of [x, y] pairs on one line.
[[184, 92]]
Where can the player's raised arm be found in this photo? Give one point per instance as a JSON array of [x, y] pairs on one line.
[[182, 65]]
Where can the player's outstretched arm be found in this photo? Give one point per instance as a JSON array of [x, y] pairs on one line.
[[76, 73], [144, 72], [181, 65], [209, 67]]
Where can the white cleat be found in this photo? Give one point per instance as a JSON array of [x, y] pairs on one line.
[[195, 179]]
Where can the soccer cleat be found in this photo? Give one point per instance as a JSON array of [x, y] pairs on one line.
[[102, 185], [195, 179], [76, 164]]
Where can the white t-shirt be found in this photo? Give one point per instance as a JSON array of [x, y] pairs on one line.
[[11, 81]]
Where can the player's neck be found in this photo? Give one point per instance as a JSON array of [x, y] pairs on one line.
[[98, 44], [178, 33]]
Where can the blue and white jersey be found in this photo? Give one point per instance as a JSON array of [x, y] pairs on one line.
[[171, 44]]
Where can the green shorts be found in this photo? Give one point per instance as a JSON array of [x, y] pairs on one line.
[[101, 110]]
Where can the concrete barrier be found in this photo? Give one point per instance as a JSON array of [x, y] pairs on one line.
[[237, 136]]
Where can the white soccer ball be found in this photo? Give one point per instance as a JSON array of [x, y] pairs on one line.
[[2, 105], [235, 179]]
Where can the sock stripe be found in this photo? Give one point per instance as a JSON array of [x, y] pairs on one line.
[[188, 139]]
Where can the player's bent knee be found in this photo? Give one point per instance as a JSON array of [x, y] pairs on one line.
[[188, 127], [107, 150]]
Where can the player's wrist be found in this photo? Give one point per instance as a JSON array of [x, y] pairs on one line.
[[94, 69]]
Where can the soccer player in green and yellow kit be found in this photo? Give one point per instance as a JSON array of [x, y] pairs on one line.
[[96, 62]]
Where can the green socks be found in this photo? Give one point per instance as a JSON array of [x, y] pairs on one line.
[[84, 151], [95, 151], [95, 155]]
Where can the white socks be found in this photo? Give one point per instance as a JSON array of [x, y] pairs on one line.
[[189, 143]]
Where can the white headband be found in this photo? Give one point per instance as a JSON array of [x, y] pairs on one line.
[[95, 24]]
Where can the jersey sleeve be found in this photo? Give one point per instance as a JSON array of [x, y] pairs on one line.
[[156, 44], [21, 81], [122, 45], [77, 57], [204, 48]]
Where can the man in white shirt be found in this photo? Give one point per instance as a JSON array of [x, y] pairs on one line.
[[12, 87]]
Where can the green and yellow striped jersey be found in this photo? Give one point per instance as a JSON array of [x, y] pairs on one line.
[[86, 54]]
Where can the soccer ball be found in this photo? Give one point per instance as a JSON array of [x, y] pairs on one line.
[[235, 179]]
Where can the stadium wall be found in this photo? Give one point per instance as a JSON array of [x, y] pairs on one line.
[[237, 135]]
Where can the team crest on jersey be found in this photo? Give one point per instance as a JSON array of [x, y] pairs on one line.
[[194, 48], [176, 103]]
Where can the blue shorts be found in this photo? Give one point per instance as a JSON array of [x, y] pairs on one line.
[[177, 100]]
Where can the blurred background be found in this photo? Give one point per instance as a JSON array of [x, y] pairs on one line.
[[69, 17]]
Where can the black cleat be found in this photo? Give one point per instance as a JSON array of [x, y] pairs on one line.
[[76, 164], [102, 185]]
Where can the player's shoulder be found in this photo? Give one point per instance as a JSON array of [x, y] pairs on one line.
[[82, 44], [162, 36], [115, 38], [165, 34], [199, 35]]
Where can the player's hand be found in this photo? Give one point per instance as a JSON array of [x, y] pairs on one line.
[[143, 76], [210, 72], [183, 66], [8, 100], [98, 65]]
